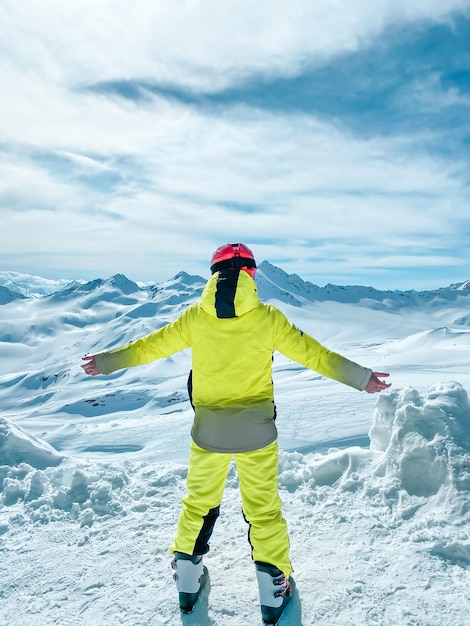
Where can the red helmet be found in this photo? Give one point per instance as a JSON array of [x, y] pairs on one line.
[[233, 256]]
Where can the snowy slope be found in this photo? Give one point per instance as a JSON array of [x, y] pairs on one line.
[[375, 489]]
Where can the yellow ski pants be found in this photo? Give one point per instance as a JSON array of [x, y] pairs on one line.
[[258, 478]]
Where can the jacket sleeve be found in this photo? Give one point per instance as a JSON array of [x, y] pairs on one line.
[[157, 345], [304, 349]]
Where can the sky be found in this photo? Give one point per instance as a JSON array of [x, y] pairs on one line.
[[331, 137]]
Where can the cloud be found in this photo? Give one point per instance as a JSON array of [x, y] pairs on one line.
[[305, 180], [98, 180], [204, 44]]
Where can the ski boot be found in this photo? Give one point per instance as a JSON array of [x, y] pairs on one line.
[[190, 576], [275, 591]]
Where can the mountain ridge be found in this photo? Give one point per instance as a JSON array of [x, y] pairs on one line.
[[272, 281]]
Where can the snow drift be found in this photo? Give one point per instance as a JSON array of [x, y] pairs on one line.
[[408, 494], [18, 446]]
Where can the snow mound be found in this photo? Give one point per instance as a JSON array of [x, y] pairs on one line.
[[419, 452], [412, 486], [18, 446], [86, 493], [425, 440]]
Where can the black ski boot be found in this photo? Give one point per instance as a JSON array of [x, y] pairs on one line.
[[190, 576], [275, 591]]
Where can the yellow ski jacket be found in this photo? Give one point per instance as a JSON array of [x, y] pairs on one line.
[[232, 336]]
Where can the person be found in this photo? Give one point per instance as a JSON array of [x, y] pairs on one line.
[[233, 336]]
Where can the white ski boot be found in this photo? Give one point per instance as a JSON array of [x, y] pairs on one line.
[[190, 576], [275, 591]]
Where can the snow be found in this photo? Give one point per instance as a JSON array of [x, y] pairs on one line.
[[31, 286], [92, 470]]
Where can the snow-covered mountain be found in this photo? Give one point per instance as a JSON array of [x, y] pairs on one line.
[[8, 295], [273, 283], [30, 286], [376, 490]]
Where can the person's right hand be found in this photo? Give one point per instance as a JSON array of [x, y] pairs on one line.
[[90, 366]]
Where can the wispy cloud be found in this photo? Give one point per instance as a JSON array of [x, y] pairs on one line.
[[138, 137], [200, 43]]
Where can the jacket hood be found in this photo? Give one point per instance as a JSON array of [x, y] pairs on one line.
[[229, 293]]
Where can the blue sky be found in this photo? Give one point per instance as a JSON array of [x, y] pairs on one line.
[[333, 138]]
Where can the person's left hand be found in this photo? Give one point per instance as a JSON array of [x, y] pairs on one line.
[[90, 366], [375, 385]]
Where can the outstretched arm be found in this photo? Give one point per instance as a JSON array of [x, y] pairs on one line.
[[161, 343], [90, 366], [375, 385]]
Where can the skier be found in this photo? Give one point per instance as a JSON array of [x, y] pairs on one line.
[[233, 336]]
